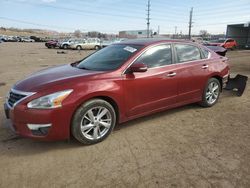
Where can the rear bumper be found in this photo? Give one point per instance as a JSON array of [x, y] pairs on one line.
[[225, 80]]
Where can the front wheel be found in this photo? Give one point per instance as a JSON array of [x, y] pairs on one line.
[[65, 46], [93, 121], [211, 93]]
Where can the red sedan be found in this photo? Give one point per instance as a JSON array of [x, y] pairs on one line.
[[228, 44], [121, 82]]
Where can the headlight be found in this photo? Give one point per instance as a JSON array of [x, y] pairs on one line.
[[53, 100]]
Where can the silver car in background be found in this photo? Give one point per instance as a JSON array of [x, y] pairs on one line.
[[65, 44], [87, 44]]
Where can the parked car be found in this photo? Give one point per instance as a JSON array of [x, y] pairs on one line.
[[106, 43], [228, 43], [66, 43], [37, 39], [27, 39], [11, 39], [87, 44], [198, 40], [118, 83], [52, 44], [218, 49], [2, 39]]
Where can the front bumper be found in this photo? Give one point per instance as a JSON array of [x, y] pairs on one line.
[[47, 125]]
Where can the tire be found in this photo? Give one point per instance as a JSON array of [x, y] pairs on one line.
[[97, 47], [65, 46], [86, 126], [211, 95], [79, 47]]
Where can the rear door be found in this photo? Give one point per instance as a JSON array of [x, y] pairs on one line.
[[192, 72], [154, 89]]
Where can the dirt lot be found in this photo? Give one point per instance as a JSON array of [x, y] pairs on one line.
[[185, 147]]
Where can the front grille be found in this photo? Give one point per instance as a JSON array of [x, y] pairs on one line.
[[14, 98]]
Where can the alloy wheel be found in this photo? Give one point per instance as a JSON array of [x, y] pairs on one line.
[[96, 122], [212, 92]]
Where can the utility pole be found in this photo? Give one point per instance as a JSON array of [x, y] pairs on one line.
[[148, 18], [158, 32], [190, 23], [175, 30]]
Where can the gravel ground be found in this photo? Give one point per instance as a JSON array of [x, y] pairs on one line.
[[184, 147]]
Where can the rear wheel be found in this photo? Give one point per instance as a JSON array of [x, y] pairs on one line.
[[97, 47], [93, 121], [79, 47], [211, 93]]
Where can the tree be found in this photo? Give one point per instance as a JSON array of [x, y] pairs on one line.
[[204, 33], [77, 33], [93, 34]]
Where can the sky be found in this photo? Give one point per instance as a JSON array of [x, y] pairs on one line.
[[112, 16]]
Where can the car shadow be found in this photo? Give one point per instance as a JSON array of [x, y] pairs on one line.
[[16, 145], [13, 145], [156, 115]]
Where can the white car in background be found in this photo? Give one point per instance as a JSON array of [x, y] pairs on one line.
[[65, 44], [87, 44], [27, 39]]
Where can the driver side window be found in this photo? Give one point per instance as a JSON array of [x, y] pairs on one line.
[[156, 56]]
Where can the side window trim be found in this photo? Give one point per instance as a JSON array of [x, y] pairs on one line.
[[203, 55]]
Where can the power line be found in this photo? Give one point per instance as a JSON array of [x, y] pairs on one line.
[[87, 12], [36, 24]]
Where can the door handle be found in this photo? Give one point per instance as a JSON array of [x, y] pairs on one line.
[[204, 66], [171, 74]]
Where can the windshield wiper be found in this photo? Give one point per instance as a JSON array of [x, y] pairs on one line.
[[82, 67]]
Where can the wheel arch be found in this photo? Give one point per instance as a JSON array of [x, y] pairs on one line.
[[218, 77], [107, 98]]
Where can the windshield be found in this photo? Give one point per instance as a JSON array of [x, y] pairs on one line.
[[109, 58]]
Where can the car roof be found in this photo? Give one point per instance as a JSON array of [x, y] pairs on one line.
[[150, 41]]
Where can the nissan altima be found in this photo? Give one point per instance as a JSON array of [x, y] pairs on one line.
[[121, 82]]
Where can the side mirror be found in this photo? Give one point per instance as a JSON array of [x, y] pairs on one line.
[[138, 67]]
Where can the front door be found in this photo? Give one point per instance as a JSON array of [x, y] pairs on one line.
[[154, 89]]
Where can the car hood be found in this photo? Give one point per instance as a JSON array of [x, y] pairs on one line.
[[51, 76]]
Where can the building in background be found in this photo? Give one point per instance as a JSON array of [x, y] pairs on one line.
[[134, 34], [239, 32]]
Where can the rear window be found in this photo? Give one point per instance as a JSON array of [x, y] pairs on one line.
[[186, 52], [205, 53]]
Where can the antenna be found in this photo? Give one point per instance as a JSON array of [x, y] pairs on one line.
[[148, 18], [190, 23]]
